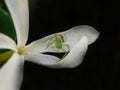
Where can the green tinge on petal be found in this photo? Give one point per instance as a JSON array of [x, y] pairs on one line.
[[6, 24], [5, 56]]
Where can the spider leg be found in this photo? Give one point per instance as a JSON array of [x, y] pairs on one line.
[[65, 53], [50, 42]]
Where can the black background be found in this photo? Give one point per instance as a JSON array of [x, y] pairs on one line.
[[101, 66]]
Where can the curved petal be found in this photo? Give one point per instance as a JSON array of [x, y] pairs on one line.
[[71, 36], [41, 59], [11, 73], [76, 55], [6, 42], [73, 59], [76, 33], [19, 12]]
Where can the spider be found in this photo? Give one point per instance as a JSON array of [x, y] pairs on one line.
[[57, 42]]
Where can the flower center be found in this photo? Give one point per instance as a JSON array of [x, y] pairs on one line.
[[21, 50]]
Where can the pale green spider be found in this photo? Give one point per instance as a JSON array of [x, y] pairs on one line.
[[57, 42]]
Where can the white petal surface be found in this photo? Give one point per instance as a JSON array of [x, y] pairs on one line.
[[41, 59], [73, 59], [19, 12], [72, 36], [76, 33], [11, 73], [6, 42]]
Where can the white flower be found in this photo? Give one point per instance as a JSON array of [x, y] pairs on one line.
[[75, 41]]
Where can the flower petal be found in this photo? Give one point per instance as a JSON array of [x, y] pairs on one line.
[[72, 36], [73, 59], [6, 42], [19, 12], [76, 55], [41, 59], [11, 73], [76, 33]]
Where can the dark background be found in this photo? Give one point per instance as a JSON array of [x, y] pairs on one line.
[[101, 66]]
